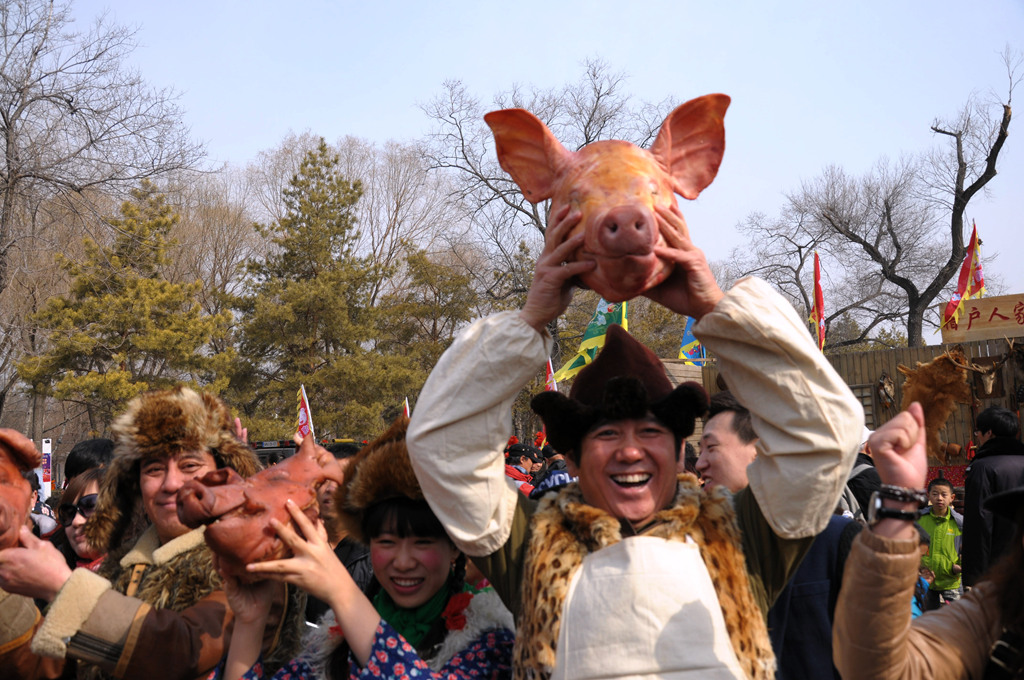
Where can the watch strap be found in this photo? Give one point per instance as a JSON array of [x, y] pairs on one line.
[[903, 494]]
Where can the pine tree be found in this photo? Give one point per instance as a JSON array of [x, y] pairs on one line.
[[123, 328], [307, 319], [426, 314]]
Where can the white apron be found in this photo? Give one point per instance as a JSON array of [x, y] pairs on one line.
[[644, 608]]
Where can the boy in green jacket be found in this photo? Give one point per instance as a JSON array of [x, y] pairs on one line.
[[943, 556]]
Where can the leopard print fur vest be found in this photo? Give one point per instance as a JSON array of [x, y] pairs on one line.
[[565, 530]]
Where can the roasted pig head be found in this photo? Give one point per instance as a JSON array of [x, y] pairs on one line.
[[616, 185], [237, 511], [17, 454]]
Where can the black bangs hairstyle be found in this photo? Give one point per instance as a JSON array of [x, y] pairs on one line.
[[403, 517]]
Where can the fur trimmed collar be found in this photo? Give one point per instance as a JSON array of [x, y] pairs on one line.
[[148, 550], [565, 530], [484, 613]]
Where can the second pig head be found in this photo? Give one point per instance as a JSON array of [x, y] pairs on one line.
[[616, 185], [237, 511], [17, 454]]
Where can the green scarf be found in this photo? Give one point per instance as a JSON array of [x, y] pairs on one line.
[[413, 624]]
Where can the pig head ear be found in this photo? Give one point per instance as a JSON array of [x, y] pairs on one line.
[[691, 142], [527, 151], [19, 449]]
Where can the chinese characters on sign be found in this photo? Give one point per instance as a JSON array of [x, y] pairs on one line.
[[988, 319]]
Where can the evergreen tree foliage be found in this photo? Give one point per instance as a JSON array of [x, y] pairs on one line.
[[307, 318], [426, 314], [123, 328]]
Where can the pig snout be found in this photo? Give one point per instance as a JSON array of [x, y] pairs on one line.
[[627, 230], [200, 501]]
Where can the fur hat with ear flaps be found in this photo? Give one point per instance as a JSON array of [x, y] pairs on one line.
[[156, 425], [625, 381], [381, 470]]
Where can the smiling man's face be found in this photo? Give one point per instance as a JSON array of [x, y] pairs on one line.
[[159, 481], [724, 456], [628, 468]]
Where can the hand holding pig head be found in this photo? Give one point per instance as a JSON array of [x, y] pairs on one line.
[[237, 511]]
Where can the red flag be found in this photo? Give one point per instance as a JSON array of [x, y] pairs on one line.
[[549, 386], [406, 411], [818, 315], [971, 282]]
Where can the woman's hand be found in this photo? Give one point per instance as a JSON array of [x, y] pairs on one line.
[[241, 432], [691, 288], [551, 290], [313, 567], [316, 569], [36, 570]]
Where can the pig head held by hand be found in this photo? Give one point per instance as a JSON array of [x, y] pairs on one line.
[[17, 454], [616, 185], [237, 511]]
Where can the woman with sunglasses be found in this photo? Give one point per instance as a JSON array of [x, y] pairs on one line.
[[77, 506]]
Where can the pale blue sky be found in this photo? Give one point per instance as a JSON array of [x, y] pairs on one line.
[[813, 83]]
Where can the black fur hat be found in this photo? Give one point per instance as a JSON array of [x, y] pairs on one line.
[[625, 381]]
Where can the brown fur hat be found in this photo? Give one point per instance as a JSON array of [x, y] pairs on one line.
[[625, 381], [381, 470], [155, 425]]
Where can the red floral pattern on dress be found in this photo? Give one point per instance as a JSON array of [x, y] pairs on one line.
[[489, 656]]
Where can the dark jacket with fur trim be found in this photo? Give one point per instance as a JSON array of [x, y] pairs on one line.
[[177, 624]]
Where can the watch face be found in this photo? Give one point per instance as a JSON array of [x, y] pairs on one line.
[[874, 505], [877, 511]]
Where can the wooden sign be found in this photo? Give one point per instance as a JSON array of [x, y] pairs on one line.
[[990, 318]]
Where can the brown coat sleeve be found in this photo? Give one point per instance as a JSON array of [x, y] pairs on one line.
[[873, 636], [19, 620], [128, 638], [160, 643], [154, 642]]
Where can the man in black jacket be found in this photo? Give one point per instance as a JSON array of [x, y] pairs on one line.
[[864, 479], [997, 466]]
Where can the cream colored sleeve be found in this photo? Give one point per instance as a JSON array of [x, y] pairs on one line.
[[461, 423], [68, 612], [808, 422]]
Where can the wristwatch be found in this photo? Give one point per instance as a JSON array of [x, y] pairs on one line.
[[877, 512]]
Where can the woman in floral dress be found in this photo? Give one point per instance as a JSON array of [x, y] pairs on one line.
[[424, 620]]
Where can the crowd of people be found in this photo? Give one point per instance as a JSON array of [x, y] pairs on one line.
[[602, 551]]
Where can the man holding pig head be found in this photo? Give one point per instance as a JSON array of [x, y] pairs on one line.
[[698, 569]]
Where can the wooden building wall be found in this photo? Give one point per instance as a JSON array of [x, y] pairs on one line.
[[863, 372], [680, 372]]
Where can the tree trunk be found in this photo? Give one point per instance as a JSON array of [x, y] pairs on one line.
[[38, 411], [915, 326]]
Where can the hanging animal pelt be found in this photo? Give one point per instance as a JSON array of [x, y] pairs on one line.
[[938, 385]]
